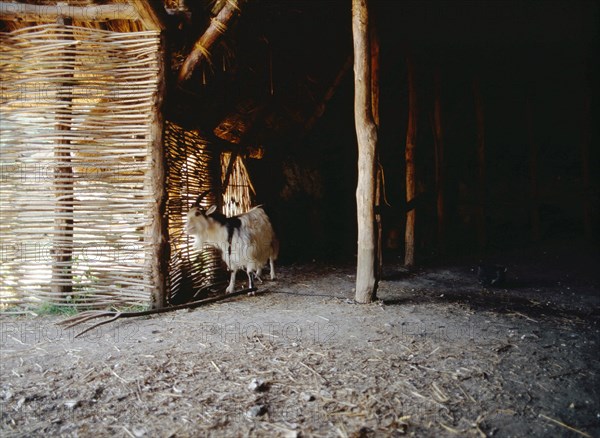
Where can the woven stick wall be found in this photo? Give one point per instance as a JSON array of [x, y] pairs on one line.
[[239, 191], [191, 170], [75, 107]]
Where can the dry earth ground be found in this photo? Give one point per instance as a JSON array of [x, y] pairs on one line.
[[439, 356]]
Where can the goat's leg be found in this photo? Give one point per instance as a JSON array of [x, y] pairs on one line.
[[250, 279], [258, 274], [272, 264], [231, 286]]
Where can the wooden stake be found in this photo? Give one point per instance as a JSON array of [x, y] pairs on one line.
[[479, 116], [411, 138], [375, 75], [62, 249], [366, 132], [158, 230]]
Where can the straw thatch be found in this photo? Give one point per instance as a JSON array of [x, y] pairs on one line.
[[75, 105]]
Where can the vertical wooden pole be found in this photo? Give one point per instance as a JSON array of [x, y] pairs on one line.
[[480, 121], [62, 247], [375, 75], [440, 164], [158, 229], [411, 139], [533, 171], [366, 132]]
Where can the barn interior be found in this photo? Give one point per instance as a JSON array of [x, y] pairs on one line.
[[286, 67], [115, 115], [501, 103]]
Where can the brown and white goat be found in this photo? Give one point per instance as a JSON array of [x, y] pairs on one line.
[[247, 241]]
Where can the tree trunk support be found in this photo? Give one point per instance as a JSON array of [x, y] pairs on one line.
[[158, 230], [366, 132], [411, 139]]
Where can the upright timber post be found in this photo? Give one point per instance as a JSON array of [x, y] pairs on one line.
[[158, 230], [379, 191], [366, 133], [62, 247], [411, 139]]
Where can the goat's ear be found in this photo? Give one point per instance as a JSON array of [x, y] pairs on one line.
[[211, 210]]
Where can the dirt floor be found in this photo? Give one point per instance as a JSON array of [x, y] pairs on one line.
[[438, 355]]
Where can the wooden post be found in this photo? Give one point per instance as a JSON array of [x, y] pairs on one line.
[[533, 163], [366, 133], [218, 26], [411, 138], [158, 230], [375, 75], [440, 164], [62, 247], [152, 13], [479, 117]]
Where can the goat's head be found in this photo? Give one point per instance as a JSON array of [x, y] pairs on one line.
[[197, 221]]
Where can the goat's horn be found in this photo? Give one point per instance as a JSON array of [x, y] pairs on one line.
[[200, 198]]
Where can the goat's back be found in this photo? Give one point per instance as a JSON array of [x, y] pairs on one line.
[[254, 242]]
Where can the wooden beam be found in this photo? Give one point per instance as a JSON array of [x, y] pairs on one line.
[[218, 26], [409, 157], [40, 13], [366, 133], [62, 247], [157, 231], [375, 75], [152, 14]]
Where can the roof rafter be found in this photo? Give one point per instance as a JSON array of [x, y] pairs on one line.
[[152, 14], [218, 26], [37, 13]]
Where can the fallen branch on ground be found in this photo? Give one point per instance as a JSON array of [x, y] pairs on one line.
[[87, 316]]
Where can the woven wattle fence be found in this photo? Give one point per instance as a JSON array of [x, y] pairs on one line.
[[192, 169], [238, 194], [75, 107]]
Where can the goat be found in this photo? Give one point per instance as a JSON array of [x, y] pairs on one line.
[[246, 240]]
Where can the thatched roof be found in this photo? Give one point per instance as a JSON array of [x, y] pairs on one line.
[[265, 77]]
